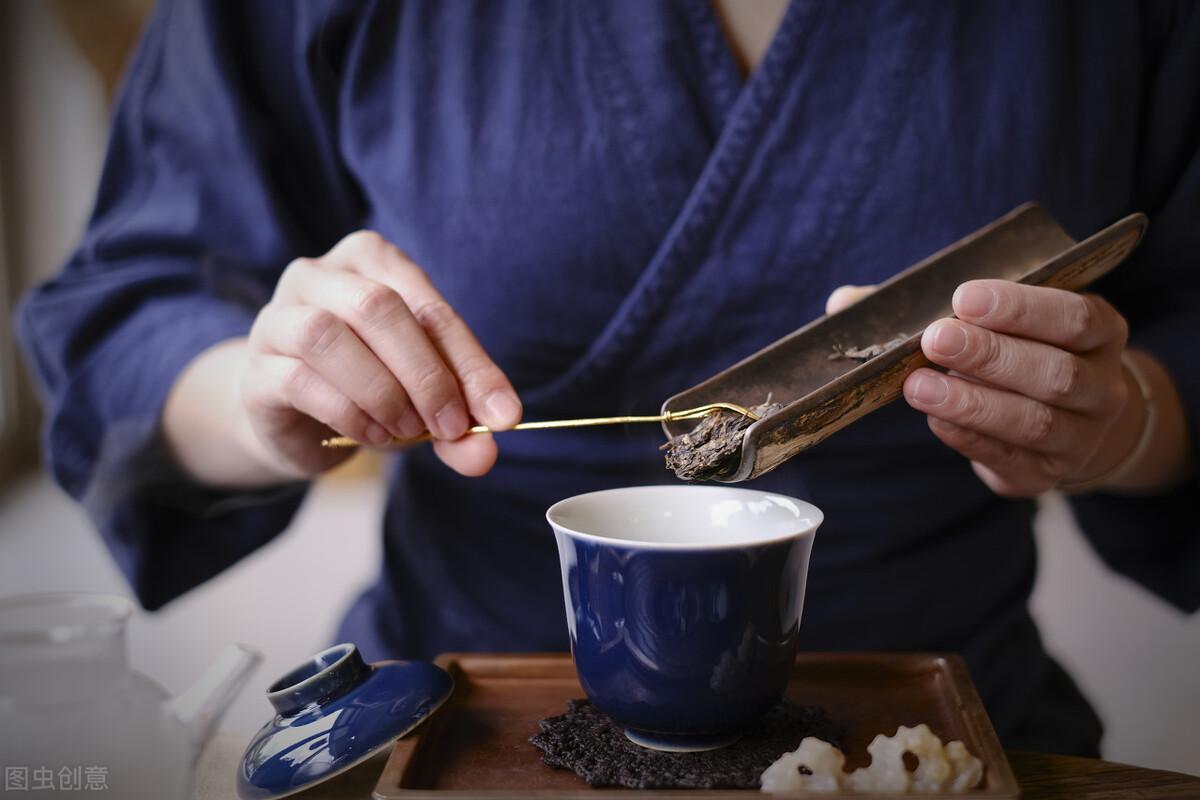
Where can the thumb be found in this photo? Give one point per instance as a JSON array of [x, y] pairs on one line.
[[846, 296]]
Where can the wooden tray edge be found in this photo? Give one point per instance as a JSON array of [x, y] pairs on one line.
[[970, 706], [406, 752]]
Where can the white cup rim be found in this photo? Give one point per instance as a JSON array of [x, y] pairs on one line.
[[809, 518]]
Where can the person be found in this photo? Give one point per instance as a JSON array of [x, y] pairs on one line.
[[380, 218]]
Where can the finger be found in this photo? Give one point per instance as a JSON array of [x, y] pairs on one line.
[[1006, 485], [275, 377], [471, 455], [846, 296], [1041, 371], [997, 413], [1015, 472], [488, 392], [1075, 322], [382, 320], [328, 345]]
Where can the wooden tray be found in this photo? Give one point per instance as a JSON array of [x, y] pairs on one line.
[[477, 744]]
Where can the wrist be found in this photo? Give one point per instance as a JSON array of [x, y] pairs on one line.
[[206, 427]]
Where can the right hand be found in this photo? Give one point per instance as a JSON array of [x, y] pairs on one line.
[[360, 341]]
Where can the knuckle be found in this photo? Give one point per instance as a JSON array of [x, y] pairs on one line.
[[296, 265], [365, 240], [293, 273], [990, 359], [372, 245], [1011, 308], [382, 395], [430, 380], [479, 374], [318, 332], [1065, 377], [1038, 425], [972, 409], [436, 316], [1078, 317], [377, 305]]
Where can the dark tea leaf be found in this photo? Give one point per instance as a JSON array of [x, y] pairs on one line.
[[713, 448], [868, 352]]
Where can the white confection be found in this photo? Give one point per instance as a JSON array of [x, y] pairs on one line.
[[939, 768], [820, 758], [968, 769]]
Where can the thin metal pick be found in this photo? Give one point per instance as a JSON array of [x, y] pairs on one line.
[[668, 416]]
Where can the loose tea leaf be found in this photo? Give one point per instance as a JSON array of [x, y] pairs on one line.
[[868, 352], [713, 448]]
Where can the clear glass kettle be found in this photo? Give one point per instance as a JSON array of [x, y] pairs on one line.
[[73, 715]]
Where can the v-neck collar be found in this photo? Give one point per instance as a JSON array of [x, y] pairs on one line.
[[723, 74], [682, 249]]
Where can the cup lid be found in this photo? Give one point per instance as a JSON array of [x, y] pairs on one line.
[[335, 711]]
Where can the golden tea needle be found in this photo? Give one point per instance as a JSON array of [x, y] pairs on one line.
[[669, 416]]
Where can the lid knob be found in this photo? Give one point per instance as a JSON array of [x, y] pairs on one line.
[[329, 674]]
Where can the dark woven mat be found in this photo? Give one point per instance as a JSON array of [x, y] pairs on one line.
[[586, 741]]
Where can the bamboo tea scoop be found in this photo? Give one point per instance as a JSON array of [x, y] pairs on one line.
[[666, 416], [842, 366]]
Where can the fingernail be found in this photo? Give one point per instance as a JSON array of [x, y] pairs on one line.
[[377, 434], [949, 339], [450, 422], [974, 300], [502, 408], [929, 390]]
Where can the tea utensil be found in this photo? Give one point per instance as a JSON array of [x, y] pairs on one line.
[[823, 395], [665, 416]]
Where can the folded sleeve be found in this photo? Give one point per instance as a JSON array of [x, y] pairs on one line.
[[1155, 539], [219, 171]]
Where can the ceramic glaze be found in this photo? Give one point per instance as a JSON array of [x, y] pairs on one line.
[[336, 711], [683, 605]]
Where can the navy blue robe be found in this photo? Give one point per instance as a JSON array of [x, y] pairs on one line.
[[618, 216]]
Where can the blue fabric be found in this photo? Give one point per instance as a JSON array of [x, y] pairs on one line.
[[617, 217]]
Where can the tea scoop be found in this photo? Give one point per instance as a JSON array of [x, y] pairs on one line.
[[665, 416], [842, 366]]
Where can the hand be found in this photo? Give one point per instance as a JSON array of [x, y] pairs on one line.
[[359, 341], [1036, 396]]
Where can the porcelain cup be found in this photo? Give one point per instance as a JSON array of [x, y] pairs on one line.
[[683, 605]]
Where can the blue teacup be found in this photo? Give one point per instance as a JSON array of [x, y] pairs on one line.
[[683, 604]]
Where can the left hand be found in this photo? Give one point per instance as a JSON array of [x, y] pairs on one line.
[[1035, 388]]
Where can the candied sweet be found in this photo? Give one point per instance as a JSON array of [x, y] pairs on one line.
[[816, 766]]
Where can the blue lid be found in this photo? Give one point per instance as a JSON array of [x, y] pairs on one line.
[[336, 711]]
